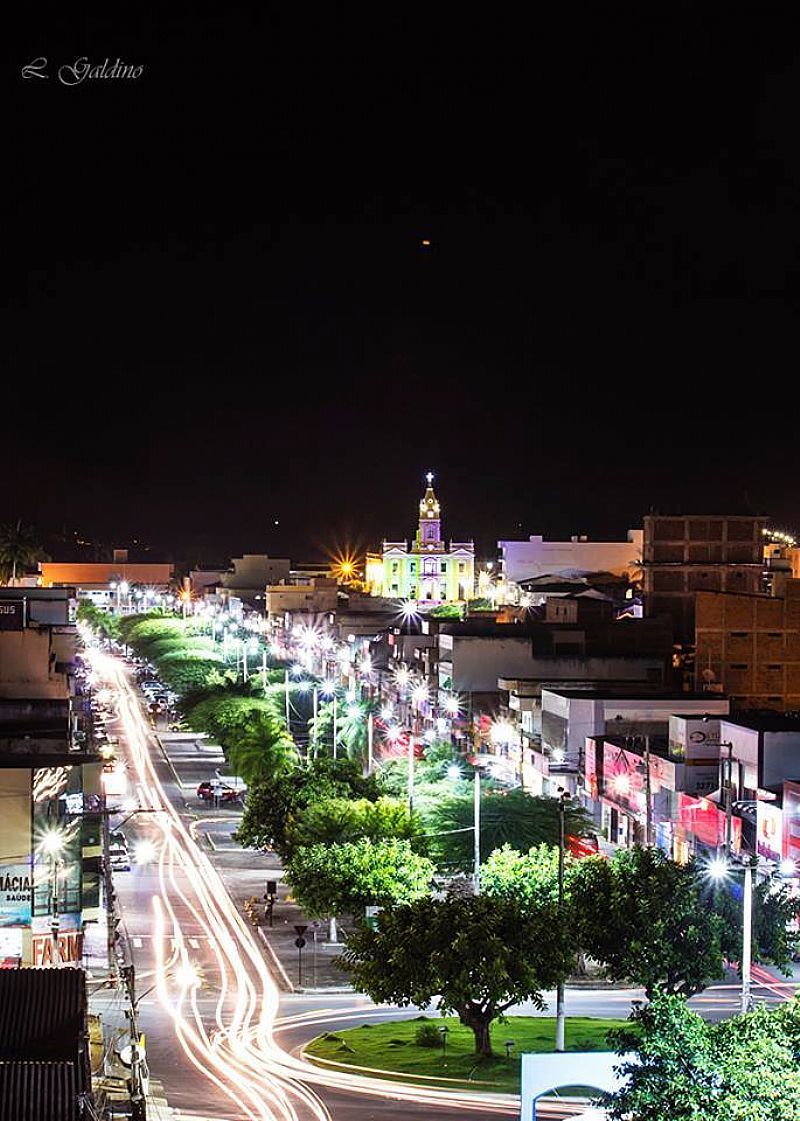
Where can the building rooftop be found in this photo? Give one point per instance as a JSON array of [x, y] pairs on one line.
[[765, 722], [633, 692]]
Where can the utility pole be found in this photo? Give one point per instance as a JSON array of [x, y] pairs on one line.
[[729, 801], [560, 1007], [286, 689], [138, 1100], [109, 890], [476, 834], [335, 726], [648, 795], [747, 934], [370, 732], [315, 696]]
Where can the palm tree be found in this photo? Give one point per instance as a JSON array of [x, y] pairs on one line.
[[18, 550]]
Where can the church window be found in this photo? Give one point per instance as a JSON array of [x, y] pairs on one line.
[[443, 566]]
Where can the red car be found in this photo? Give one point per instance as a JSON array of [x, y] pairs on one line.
[[206, 791]]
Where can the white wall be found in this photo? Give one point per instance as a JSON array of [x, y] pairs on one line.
[[524, 560], [478, 662]]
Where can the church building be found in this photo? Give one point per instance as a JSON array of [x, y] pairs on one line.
[[430, 571]]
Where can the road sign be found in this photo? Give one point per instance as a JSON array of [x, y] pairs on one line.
[[301, 928], [299, 942]]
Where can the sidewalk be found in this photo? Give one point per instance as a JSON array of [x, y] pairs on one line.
[[245, 874]]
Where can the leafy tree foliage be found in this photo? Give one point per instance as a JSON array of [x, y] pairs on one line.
[[741, 1069], [648, 920], [103, 622], [341, 819], [525, 877], [507, 817], [274, 803], [774, 939], [475, 956], [331, 879]]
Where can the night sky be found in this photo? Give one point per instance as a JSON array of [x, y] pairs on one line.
[[221, 312]]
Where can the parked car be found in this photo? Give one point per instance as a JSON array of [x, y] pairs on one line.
[[226, 793], [118, 855]]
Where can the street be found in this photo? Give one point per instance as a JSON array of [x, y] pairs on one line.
[[221, 1037]]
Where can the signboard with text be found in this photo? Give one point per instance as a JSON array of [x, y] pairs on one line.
[[769, 831], [12, 615], [791, 820]]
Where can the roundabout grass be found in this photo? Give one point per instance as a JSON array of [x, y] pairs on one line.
[[391, 1049]]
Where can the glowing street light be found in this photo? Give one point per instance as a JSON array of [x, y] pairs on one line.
[[145, 852]]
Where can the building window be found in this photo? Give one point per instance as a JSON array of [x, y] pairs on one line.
[[775, 667], [412, 568], [739, 665], [443, 566], [739, 634], [773, 634], [460, 566], [394, 566]]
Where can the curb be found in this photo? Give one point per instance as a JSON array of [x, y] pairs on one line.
[[169, 764], [282, 974]]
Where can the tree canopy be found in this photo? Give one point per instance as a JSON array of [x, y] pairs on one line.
[[329, 879], [740, 1069], [275, 802], [475, 956], [507, 817], [333, 820]]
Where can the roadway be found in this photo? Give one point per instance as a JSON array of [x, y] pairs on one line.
[[221, 1038]]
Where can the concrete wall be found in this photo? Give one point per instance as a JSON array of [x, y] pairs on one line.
[[54, 572], [256, 570], [478, 662], [26, 668], [524, 560]]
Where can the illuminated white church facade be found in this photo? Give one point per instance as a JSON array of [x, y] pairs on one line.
[[430, 571]]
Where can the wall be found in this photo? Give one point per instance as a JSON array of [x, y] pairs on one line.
[[524, 560], [77, 574], [25, 665], [750, 647], [567, 721], [478, 662]]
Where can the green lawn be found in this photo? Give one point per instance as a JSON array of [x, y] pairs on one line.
[[391, 1047]]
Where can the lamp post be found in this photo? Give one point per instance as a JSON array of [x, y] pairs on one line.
[[52, 844], [719, 869], [476, 834], [560, 1006]]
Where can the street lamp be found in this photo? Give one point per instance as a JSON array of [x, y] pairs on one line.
[[563, 799], [719, 869], [52, 844]]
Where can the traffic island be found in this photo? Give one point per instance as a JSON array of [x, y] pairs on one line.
[[440, 1051]]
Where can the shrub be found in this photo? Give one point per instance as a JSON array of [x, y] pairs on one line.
[[427, 1035]]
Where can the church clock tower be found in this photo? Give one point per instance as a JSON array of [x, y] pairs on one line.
[[429, 535]]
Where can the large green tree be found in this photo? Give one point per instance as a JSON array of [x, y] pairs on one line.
[[331, 879], [275, 802], [685, 1069], [648, 920], [475, 956]]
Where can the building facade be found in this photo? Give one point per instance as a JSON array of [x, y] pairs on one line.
[[749, 647], [527, 560], [429, 571], [699, 553]]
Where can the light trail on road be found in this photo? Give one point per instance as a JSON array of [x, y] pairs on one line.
[[238, 1052]]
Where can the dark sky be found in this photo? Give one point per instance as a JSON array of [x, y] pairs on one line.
[[221, 314]]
